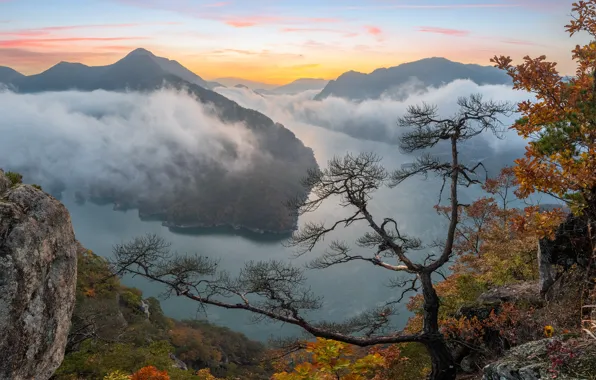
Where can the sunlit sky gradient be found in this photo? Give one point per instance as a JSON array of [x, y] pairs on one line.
[[277, 41]]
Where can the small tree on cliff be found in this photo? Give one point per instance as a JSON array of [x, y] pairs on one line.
[[560, 158], [560, 125], [278, 290]]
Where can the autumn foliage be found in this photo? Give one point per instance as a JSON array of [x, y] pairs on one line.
[[329, 360], [560, 158], [150, 373]]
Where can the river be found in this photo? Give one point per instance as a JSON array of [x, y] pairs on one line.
[[347, 289]]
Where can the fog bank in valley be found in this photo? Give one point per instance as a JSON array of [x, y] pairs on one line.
[[99, 136], [119, 140], [163, 153], [376, 120]]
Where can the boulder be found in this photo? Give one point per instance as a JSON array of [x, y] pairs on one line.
[[145, 308], [531, 361], [38, 268], [526, 292]]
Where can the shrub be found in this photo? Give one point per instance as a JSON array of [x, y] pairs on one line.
[[15, 178], [117, 375], [131, 298], [150, 373]]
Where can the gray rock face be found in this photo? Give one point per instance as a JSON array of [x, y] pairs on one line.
[[530, 361], [545, 267], [38, 268], [178, 363], [520, 364], [523, 291], [145, 308], [569, 247]]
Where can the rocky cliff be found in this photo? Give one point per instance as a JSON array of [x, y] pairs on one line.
[[38, 268]]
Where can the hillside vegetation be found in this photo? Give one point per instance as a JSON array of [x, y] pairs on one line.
[[115, 329]]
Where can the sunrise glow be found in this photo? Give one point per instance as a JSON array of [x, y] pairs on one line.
[[279, 41]]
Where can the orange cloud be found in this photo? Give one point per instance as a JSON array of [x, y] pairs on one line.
[[305, 66], [445, 31], [236, 51]]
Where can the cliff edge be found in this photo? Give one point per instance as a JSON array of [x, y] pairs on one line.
[[38, 270]]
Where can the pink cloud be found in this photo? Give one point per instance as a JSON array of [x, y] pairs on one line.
[[375, 31], [125, 48], [51, 42], [249, 21], [32, 62], [47, 31], [445, 31], [241, 23], [25, 33], [310, 30]]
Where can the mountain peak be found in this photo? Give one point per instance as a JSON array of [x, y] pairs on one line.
[[64, 66], [308, 80], [430, 72], [6, 69], [141, 51]]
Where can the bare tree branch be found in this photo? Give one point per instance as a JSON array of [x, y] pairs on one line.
[[279, 291]]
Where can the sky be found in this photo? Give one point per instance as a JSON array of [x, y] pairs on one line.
[[277, 41]]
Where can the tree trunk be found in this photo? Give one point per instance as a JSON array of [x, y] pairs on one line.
[[443, 364]]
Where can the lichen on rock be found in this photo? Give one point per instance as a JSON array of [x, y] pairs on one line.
[[38, 268]]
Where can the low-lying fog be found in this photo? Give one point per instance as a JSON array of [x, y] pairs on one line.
[[79, 138]]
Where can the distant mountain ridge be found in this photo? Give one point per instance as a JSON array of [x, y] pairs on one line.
[[67, 75], [301, 85], [294, 87], [8, 75], [426, 72], [233, 81], [254, 201]]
